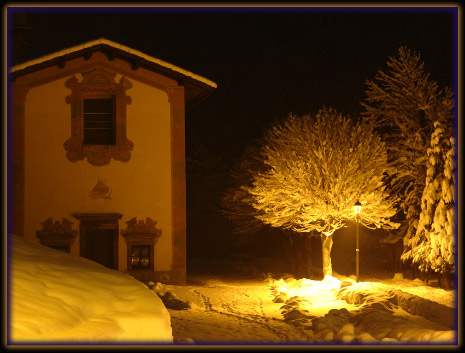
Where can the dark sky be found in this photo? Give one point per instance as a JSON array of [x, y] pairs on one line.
[[266, 62]]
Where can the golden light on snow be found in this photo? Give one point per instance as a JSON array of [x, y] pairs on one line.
[[344, 311], [320, 295]]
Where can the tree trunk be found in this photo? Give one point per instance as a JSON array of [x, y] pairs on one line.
[[326, 245], [308, 256], [445, 281]]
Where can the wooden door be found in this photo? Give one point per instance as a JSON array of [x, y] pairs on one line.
[[100, 246], [99, 234]]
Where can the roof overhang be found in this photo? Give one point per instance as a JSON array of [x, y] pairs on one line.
[[196, 87]]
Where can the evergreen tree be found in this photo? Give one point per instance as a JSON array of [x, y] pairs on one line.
[[403, 102], [433, 246]]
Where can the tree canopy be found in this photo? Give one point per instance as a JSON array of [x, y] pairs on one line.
[[317, 168]]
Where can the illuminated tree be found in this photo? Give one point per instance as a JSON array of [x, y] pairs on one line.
[[433, 246], [237, 206], [316, 170], [403, 102]]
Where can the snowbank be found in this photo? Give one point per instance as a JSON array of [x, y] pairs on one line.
[[365, 313], [411, 303], [57, 297]]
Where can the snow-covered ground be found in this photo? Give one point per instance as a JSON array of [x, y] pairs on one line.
[[57, 297], [299, 312]]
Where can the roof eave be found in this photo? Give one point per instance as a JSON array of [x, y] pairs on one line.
[[134, 58]]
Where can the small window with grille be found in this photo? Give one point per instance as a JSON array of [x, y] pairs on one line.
[[140, 257], [99, 121]]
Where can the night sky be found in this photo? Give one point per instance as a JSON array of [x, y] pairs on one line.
[[266, 62]]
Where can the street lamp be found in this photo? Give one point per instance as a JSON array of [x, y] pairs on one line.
[[357, 209]]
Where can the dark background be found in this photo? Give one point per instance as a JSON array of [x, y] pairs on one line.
[[266, 62]]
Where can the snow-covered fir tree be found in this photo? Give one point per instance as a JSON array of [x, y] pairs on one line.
[[433, 246], [404, 102], [317, 168]]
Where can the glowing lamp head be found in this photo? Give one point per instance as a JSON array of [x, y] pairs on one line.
[[357, 207]]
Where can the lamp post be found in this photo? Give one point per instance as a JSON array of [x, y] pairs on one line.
[[357, 209]]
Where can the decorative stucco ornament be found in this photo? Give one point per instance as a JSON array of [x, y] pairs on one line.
[[98, 82], [101, 190], [56, 233], [149, 226], [56, 227]]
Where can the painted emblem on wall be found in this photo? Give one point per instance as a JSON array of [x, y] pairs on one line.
[[101, 190]]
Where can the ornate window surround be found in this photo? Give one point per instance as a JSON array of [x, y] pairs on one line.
[[57, 234], [98, 83], [141, 233]]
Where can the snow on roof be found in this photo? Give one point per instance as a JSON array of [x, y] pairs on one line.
[[116, 46]]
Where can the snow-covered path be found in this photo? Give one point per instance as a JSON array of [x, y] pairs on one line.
[[231, 312], [243, 311]]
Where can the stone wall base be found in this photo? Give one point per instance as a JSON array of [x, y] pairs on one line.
[[175, 277]]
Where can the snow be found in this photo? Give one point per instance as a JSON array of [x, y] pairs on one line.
[[58, 297], [233, 310], [433, 245], [90, 44]]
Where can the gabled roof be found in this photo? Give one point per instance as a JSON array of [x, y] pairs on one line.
[[196, 87]]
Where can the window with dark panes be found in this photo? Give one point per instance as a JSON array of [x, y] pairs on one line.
[[99, 121], [140, 257], [98, 118]]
